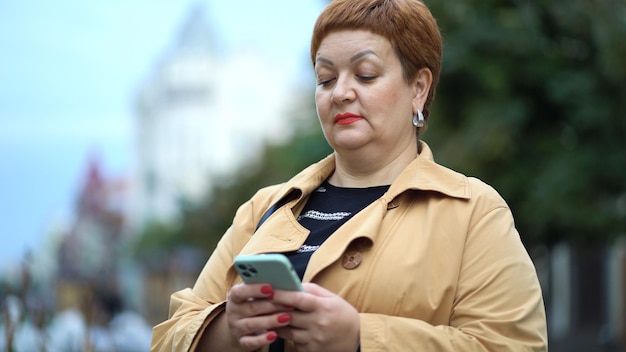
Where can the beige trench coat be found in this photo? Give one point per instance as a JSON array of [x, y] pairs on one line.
[[442, 267]]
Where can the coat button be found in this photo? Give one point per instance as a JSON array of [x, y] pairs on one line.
[[351, 260]]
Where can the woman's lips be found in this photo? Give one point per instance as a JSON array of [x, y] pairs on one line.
[[347, 118]]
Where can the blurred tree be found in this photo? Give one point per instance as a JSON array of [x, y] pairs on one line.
[[531, 100]]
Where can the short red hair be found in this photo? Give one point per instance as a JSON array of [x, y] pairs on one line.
[[407, 24]]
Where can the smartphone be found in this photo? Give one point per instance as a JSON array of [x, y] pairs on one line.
[[273, 269]]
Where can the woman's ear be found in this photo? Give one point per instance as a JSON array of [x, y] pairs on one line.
[[422, 83]]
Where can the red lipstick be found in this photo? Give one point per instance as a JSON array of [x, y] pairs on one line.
[[347, 118]]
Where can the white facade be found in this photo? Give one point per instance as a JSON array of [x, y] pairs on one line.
[[201, 114]]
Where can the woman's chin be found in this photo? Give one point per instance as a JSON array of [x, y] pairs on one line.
[[349, 142]]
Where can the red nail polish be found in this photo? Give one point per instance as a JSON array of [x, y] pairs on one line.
[[267, 289], [271, 336], [283, 318]]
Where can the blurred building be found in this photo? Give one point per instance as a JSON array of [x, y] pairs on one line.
[[200, 113], [173, 108]]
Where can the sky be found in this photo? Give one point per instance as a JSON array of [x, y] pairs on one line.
[[69, 71]]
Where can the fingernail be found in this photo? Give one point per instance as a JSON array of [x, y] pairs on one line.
[[283, 318], [271, 336], [267, 289]]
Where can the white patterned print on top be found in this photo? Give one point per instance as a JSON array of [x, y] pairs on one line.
[[316, 215], [307, 248]]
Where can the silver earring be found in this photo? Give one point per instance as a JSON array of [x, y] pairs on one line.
[[418, 119]]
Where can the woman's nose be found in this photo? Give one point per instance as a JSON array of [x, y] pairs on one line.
[[343, 91]]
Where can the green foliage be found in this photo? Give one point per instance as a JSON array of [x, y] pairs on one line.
[[532, 100], [155, 238]]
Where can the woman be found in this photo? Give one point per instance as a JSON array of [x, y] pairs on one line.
[[396, 252]]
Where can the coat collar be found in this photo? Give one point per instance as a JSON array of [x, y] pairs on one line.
[[284, 234], [422, 174]]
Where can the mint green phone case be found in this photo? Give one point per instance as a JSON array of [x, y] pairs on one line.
[[272, 269]]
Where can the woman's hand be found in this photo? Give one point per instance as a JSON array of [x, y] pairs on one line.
[[315, 320], [253, 316], [320, 321]]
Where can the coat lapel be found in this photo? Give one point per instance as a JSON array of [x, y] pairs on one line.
[[365, 224]]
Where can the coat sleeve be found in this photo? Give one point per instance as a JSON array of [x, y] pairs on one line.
[[193, 309], [498, 305]]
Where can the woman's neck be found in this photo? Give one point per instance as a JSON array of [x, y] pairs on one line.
[[372, 169]]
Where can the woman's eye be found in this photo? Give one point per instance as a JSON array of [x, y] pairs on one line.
[[325, 81], [366, 78]]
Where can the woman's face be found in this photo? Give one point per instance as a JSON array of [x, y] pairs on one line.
[[363, 102]]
